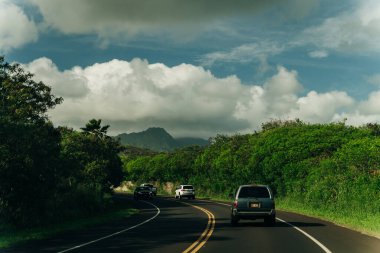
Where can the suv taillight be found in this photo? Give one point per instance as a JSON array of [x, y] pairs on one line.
[[235, 204]]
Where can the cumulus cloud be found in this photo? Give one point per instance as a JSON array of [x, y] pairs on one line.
[[321, 107], [16, 29], [131, 96], [372, 105], [357, 30], [109, 19], [69, 84], [278, 99], [187, 100], [366, 111]]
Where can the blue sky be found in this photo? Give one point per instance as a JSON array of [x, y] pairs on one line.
[[198, 68]]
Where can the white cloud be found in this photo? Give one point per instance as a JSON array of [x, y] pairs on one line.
[[366, 111], [253, 52], [278, 99], [321, 107], [68, 84], [319, 54], [16, 29], [357, 30], [371, 105], [188, 100], [131, 96]]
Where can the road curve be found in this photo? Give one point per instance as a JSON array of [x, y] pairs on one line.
[[204, 226]]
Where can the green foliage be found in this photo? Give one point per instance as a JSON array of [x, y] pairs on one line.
[[29, 146], [48, 173], [94, 127], [28, 170], [21, 98]]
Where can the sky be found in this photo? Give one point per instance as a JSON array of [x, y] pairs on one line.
[[199, 68]]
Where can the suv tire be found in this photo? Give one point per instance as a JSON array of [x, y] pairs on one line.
[[270, 221], [234, 220]]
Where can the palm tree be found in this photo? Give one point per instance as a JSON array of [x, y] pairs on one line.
[[94, 127]]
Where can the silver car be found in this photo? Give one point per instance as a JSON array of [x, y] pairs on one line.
[[253, 202]]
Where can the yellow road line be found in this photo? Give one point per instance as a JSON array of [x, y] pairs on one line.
[[198, 244]]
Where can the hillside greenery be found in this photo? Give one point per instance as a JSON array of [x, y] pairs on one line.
[[330, 169], [49, 174]]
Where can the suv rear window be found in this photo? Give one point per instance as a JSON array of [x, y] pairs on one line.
[[187, 187], [254, 192]]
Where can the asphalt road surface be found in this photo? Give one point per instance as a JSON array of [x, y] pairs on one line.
[[169, 225]]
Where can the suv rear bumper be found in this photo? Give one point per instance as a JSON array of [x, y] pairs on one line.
[[252, 214], [187, 194]]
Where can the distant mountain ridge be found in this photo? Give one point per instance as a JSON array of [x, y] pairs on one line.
[[158, 139]]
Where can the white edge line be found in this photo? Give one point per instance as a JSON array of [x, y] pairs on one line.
[[325, 249], [116, 233]]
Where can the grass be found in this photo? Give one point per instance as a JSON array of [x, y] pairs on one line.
[[10, 236], [362, 221]]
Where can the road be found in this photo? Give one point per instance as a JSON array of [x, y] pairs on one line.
[[168, 225]]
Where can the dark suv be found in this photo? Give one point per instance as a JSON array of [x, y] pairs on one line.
[[253, 202], [142, 192]]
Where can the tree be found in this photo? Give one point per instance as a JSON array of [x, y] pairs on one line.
[[94, 127], [21, 98], [29, 146], [93, 154]]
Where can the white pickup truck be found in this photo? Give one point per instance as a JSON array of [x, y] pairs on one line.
[[152, 188]]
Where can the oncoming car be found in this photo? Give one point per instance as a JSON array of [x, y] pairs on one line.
[[185, 191], [253, 202], [142, 192], [152, 188]]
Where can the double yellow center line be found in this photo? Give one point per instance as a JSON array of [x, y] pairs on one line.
[[198, 244]]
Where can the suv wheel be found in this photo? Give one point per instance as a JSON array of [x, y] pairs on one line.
[[234, 220], [180, 197], [270, 221]]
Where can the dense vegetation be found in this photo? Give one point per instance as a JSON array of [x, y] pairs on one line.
[[49, 173], [333, 168]]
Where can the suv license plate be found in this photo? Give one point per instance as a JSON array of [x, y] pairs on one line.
[[255, 205]]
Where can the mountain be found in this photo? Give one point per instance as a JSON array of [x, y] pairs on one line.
[[157, 139]]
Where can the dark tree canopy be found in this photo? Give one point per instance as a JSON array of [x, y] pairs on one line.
[[94, 127], [49, 173]]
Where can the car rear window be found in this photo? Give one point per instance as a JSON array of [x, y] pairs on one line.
[[254, 192], [187, 187]]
